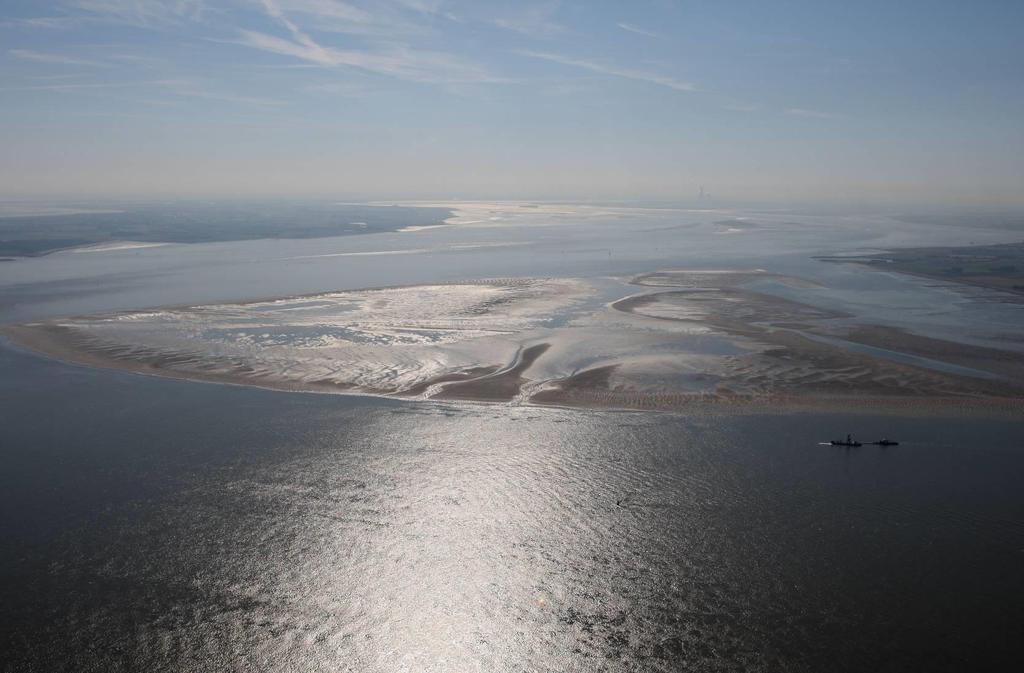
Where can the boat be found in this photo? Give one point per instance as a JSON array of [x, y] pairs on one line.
[[849, 441], [885, 442]]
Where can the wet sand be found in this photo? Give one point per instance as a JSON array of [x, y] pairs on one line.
[[783, 355], [61, 343], [501, 386], [1000, 362]]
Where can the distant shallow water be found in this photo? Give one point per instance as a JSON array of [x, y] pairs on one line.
[[38, 229]]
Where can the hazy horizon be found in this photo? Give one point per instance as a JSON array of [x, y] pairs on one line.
[[443, 99], [29, 205]]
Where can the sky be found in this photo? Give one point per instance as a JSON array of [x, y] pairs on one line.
[[915, 101]]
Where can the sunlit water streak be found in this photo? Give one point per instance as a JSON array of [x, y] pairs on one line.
[[164, 525]]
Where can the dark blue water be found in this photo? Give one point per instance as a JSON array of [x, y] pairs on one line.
[[153, 524]]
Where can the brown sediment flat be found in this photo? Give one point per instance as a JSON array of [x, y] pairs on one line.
[[724, 304], [483, 384], [1006, 363], [638, 301], [503, 386], [798, 365], [596, 378], [776, 360], [996, 267], [465, 375], [903, 394], [865, 387], [1010, 290], [731, 309]]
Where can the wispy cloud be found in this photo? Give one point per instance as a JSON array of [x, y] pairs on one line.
[[321, 9], [190, 89], [739, 107], [86, 85], [532, 20], [346, 89], [810, 114], [181, 88], [50, 22], [46, 57], [422, 6], [386, 20], [401, 62], [615, 71], [394, 60], [143, 12], [630, 28], [136, 59]]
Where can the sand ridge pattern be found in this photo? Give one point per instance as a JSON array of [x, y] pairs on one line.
[[670, 340]]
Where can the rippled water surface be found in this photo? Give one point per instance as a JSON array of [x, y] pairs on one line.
[[160, 525], [153, 524]]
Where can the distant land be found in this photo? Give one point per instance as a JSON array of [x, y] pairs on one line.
[[999, 267], [34, 235]]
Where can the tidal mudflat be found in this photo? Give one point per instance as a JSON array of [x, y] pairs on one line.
[[669, 340]]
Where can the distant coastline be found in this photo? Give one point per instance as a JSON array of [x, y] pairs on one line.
[[40, 234], [995, 267]]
